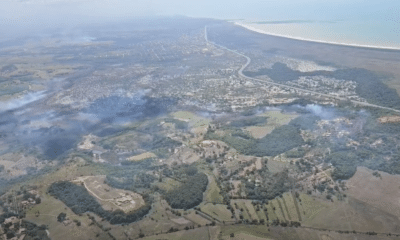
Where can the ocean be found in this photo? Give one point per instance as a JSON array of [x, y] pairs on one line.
[[367, 32]]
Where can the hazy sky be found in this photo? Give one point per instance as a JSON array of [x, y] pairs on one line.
[[25, 13]]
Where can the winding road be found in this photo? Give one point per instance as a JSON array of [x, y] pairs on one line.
[[240, 72]]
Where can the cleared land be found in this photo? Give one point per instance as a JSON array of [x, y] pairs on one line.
[[198, 233], [168, 184], [382, 193], [197, 219], [246, 232], [275, 119], [194, 120], [217, 211], [212, 194], [111, 198]]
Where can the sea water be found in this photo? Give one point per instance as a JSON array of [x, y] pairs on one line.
[[366, 32]]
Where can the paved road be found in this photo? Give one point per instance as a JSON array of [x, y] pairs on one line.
[[240, 72]]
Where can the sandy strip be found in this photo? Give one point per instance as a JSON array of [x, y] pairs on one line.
[[313, 40]]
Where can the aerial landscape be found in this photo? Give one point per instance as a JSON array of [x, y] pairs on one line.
[[176, 127]]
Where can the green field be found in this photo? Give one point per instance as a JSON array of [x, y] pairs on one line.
[[197, 219], [261, 214], [212, 194], [198, 234], [241, 205], [270, 212], [275, 119], [217, 211], [250, 209], [276, 166], [310, 207], [168, 184], [250, 232], [194, 120]]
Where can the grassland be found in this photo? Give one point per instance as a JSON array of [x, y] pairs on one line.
[[47, 211], [285, 208], [250, 209], [250, 232], [309, 207], [38, 67], [212, 194], [217, 211], [275, 119], [384, 193], [142, 156], [290, 206], [198, 233], [197, 219], [168, 184], [271, 212], [128, 140], [276, 166], [194, 120]]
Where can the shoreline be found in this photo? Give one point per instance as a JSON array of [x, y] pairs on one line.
[[315, 40]]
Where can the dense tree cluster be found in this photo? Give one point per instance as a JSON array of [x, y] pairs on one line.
[[80, 201], [345, 163], [34, 231], [190, 194], [277, 185], [131, 176], [305, 122], [385, 158], [278, 141], [6, 215]]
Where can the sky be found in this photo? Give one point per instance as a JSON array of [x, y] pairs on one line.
[[30, 14]]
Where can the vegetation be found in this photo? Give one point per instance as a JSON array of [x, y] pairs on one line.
[[190, 194], [61, 217], [345, 163], [6, 215], [160, 142], [133, 182], [178, 124], [131, 176], [280, 140], [34, 231], [305, 122], [277, 185], [80, 201], [297, 153], [248, 122], [369, 84]]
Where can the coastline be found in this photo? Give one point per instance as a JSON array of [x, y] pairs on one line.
[[315, 40]]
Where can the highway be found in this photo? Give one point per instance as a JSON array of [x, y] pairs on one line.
[[240, 72]]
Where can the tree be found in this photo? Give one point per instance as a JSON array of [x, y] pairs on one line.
[[329, 196], [61, 217]]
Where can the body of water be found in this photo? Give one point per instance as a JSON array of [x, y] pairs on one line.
[[375, 33]]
